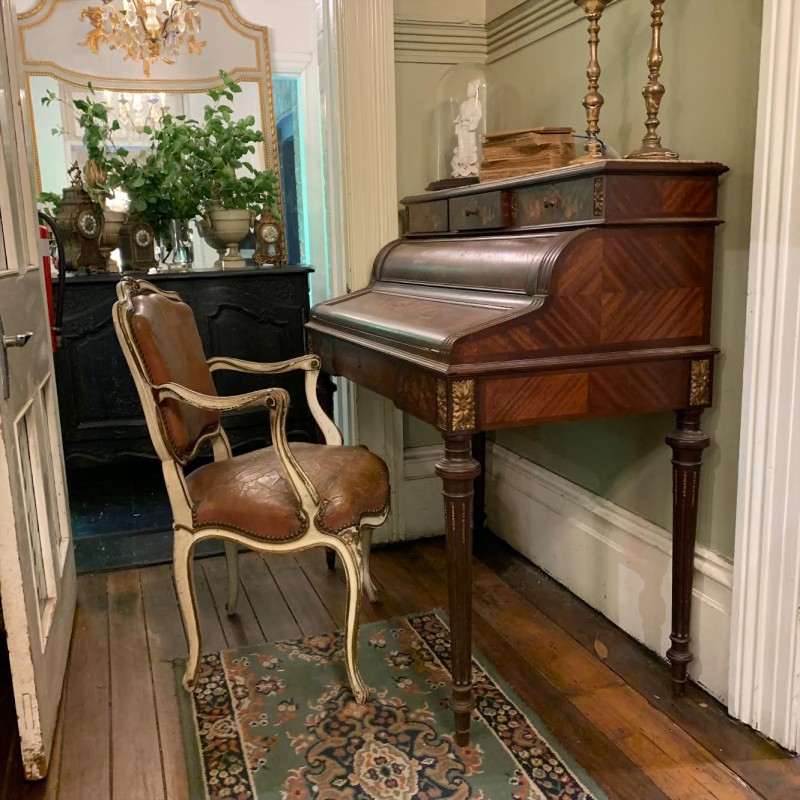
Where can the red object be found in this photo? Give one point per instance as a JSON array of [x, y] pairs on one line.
[[47, 267]]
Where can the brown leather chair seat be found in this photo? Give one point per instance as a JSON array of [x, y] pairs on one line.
[[249, 493]]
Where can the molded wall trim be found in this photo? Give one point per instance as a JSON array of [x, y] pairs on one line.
[[419, 41], [614, 560], [528, 23]]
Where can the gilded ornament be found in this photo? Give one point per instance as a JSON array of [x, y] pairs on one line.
[[599, 197], [700, 389], [463, 405]]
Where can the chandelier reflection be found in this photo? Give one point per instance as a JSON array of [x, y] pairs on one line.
[[135, 111], [145, 30]]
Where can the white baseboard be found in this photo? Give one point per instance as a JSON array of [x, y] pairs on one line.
[[612, 559], [422, 509]]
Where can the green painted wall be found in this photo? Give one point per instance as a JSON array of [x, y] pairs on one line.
[[711, 60]]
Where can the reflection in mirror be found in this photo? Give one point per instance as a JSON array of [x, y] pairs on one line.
[[53, 61], [58, 142]]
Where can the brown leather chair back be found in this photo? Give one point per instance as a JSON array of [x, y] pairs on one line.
[[169, 348]]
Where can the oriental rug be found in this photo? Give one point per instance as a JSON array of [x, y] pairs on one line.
[[279, 721]]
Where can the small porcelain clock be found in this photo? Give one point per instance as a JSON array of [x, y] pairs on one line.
[[269, 240]]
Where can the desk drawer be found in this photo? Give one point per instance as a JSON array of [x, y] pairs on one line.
[[570, 201], [483, 211], [427, 217]]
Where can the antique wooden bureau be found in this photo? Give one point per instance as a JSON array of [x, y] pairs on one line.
[[581, 292], [254, 314]]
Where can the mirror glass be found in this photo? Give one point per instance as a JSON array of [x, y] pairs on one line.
[[58, 141], [230, 42]]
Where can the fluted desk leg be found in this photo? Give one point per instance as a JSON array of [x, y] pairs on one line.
[[458, 469], [687, 442]]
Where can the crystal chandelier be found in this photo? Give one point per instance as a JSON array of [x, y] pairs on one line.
[[135, 111], [145, 30]]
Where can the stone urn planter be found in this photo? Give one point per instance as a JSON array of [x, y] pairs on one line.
[[210, 238], [229, 226]]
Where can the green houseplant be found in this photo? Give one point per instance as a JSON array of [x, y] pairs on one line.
[[233, 190]]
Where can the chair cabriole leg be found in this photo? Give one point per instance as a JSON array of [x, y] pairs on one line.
[[232, 561], [349, 552], [184, 583], [366, 544]]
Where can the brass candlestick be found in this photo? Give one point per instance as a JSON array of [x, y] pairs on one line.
[[653, 92], [593, 101]]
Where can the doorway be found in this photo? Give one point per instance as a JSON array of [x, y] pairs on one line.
[[118, 503]]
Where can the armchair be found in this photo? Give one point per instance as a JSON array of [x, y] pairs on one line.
[[278, 499]]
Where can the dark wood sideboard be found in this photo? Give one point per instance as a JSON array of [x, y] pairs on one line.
[[254, 314], [578, 293]]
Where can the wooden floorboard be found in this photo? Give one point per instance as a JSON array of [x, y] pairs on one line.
[[761, 763], [307, 608], [166, 641], [612, 714], [274, 616], [136, 766], [86, 752]]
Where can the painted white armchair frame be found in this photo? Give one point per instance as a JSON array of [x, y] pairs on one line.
[[351, 545]]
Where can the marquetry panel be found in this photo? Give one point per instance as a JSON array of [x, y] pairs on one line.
[[427, 217], [510, 400], [656, 258], [634, 388], [554, 203], [482, 211], [412, 389], [594, 392], [652, 315], [638, 196]]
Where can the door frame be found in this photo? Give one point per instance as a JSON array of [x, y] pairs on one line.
[[356, 57], [764, 674]]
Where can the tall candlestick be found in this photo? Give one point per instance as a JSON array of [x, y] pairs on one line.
[[593, 101], [653, 92]]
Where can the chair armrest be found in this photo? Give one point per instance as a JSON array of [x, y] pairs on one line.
[[309, 364], [174, 391], [304, 363], [277, 401]]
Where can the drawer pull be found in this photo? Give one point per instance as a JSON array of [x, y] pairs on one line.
[[472, 212]]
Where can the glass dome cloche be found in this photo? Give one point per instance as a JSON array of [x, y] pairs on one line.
[[462, 105]]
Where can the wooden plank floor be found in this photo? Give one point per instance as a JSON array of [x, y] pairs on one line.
[[605, 698]]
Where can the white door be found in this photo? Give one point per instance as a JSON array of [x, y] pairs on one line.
[[37, 570]]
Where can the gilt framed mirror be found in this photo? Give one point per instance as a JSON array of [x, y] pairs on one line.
[[64, 46]]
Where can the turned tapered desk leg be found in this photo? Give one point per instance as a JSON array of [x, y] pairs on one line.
[[687, 443], [458, 469]]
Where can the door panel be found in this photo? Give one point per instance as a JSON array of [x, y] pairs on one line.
[[37, 573]]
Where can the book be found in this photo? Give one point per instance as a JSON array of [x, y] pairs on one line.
[[508, 154]]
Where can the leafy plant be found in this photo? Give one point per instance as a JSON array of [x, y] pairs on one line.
[[220, 147], [106, 162], [190, 166], [162, 183]]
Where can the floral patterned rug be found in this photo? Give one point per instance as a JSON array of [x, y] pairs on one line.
[[279, 721]]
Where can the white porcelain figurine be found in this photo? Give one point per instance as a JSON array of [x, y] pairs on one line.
[[465, 155]]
